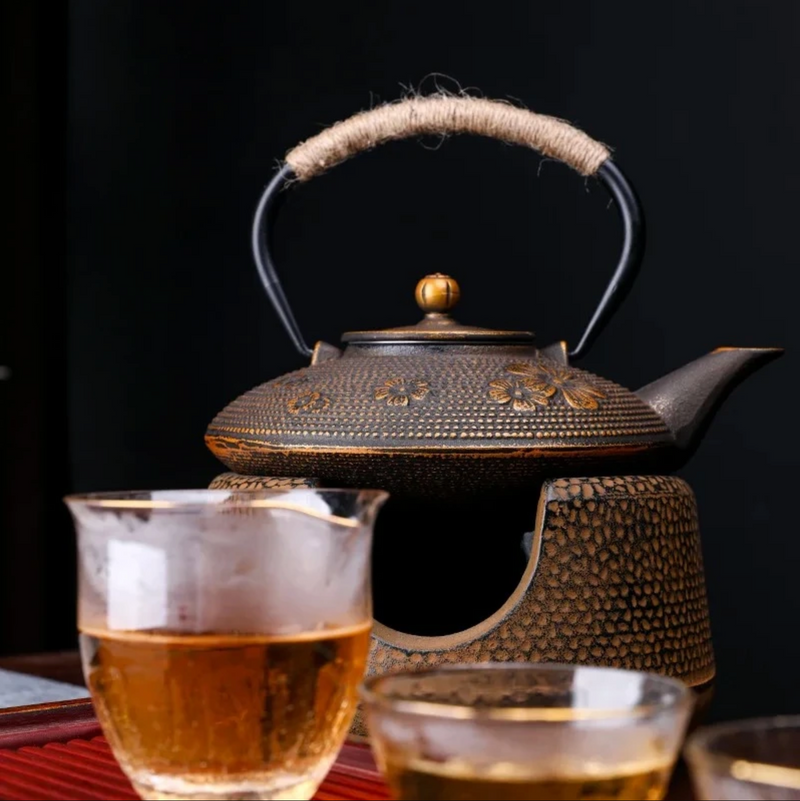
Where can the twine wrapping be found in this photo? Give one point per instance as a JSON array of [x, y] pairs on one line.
[[443, 115]]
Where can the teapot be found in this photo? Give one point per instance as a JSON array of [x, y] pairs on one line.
[[438, 408], [593, 553]]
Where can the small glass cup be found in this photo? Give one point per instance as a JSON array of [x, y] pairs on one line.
[[754, 759], [224, 634], [513, 731]]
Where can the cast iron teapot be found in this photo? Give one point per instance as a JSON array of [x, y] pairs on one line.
[[440, 408]]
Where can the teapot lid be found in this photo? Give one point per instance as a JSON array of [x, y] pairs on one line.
[[436, 295]]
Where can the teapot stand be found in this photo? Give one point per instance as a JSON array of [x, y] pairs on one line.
[[614, 578]]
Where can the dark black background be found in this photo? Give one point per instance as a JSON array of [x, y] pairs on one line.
[[161, 123]]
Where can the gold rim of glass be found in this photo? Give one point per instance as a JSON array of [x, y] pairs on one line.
[[247, 499], [676, 695], [701, 747]]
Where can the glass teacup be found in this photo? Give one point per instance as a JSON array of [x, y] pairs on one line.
[[754, 759], [513, 731], [224, 634]]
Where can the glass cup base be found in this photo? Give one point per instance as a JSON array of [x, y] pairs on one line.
[[291, 788]]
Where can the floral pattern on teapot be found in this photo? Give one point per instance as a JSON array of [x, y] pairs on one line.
[[535, 385], [401, 391], [308, 403]]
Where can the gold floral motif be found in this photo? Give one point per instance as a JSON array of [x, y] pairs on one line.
[[524, 394], [577, 392], [308, 403], [401, 391]]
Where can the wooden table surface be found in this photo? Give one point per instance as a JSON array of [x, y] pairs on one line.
[[66, 666]]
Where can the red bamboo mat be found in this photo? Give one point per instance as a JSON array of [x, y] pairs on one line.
[[55, 751]]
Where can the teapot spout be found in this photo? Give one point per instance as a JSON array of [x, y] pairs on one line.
[[688, 398]]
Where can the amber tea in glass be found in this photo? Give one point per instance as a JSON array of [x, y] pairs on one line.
[[460, 781], [526, 732], [224, 634]]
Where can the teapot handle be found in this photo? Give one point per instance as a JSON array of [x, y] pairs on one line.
[[449, 115]]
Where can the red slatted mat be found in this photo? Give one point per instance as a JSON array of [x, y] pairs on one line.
[[56, 752]]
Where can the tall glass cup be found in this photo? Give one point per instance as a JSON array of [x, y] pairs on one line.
[[224, 634]]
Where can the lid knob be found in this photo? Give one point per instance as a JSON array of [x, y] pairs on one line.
[[437, 293]]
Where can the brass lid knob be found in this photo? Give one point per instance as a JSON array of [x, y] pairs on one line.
[[437, 293]]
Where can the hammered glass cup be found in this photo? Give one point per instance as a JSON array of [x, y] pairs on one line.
[[754, 759], [224, 634], [514, 731]]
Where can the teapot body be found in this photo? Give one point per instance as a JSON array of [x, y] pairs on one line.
[[440, 420]]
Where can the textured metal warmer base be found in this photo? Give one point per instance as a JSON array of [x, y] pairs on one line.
[[615, 578]]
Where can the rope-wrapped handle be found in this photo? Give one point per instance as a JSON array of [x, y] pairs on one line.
[[447, 115]]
